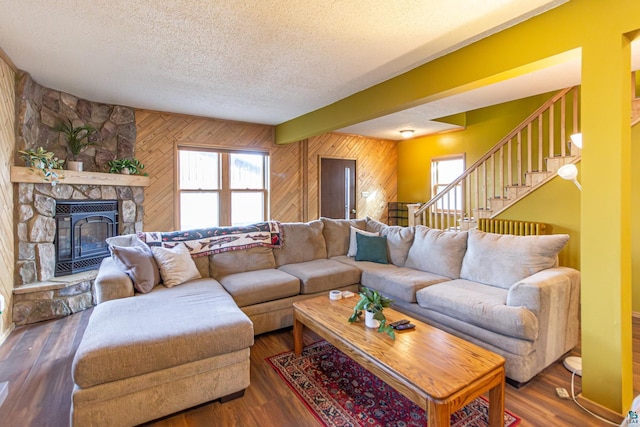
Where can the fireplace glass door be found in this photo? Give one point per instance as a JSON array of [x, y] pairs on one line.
[[81, 232]]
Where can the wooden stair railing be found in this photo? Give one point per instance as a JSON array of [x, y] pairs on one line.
[[525, 158]]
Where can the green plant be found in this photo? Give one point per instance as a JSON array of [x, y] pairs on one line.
[[45, 162], [374, 302], [77, 137], [133, 165]]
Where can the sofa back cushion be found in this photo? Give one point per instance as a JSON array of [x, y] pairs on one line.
[[437, 251], [226, 263], [502, 260], [336, 234], [399, 241], [301, 242]]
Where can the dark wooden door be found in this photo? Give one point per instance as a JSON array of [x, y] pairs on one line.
[[337, 188]]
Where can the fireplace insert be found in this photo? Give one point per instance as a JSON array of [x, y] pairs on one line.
[[82, 226]]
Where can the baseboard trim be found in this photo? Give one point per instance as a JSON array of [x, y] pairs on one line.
[[4, 336], [600, 410]]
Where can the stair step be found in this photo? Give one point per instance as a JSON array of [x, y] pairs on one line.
[[514, 192], [482, 213], [555, 163], [498, 203], [532, 179], [467, 224]]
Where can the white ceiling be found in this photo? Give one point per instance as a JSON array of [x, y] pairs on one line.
[[262, 61]]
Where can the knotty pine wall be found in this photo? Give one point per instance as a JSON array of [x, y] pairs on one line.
[[7, 144], [294, 167]]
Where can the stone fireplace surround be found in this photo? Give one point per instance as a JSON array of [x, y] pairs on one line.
[[38, 295]]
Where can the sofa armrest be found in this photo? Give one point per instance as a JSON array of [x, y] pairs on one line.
[[553, 295], [111, 282]]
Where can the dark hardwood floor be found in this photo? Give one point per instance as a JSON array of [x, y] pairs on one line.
[[36, 361]]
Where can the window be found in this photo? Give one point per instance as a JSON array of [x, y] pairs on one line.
[[445, 170], [219, 187]]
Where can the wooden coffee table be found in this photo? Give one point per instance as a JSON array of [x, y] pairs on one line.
[[441, 373]]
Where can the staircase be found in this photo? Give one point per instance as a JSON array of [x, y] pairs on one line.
[[526, 158]]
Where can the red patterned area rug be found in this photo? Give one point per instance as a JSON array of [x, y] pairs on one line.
[[339, 392]]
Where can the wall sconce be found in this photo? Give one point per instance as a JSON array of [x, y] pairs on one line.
[[406, 133], [576, 139], [570, 173]]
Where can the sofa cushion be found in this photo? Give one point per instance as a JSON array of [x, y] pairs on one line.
[[375, 226], [399, 241], [164, 328], [176, 265], [399, 282], [322, 275], [480, 305], [139, 265], [502, 260], [437, 251], [353, 241], [226, 263], [337, 234], [127, 240], [254, 287], [371, 248], [302, 241]]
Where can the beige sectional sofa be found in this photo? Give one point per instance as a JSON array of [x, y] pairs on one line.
[[175, 347]]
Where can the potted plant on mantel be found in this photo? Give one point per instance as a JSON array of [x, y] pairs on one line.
[[45, 162], [373, 303], [126, 166], [77, 140]]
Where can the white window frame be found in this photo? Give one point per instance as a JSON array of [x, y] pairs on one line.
[[437, 186], [224, 189]]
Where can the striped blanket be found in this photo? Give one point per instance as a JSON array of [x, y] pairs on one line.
[[208, 241]]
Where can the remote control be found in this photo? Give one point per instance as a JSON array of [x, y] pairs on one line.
[[405, 326], [398, 323]]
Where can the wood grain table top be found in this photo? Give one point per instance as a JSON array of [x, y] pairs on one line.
[[431, 360]]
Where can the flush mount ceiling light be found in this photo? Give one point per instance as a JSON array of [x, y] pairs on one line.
[[406, 133]]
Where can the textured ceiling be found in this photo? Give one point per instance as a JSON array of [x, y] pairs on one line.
[[262, 61]]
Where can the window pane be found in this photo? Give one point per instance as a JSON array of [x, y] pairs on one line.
[[198, 170], [246, 208], [199, 210], [449, 170], [247, 171]]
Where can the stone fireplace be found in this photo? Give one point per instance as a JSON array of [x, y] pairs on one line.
[[41, 290], [39, 294]]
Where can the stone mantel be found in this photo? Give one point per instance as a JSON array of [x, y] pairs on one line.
[[24, 174]]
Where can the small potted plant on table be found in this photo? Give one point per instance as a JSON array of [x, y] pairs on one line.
[[373, 303]]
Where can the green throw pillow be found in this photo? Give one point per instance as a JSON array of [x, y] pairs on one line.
[[372, 248]]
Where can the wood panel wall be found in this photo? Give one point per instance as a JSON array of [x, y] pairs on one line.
[[159, 133], [7, 144], [376, 166]]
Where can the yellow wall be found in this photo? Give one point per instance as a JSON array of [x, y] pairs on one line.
[[485, 127], [7, 144], [635, 211], [557, 203]]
